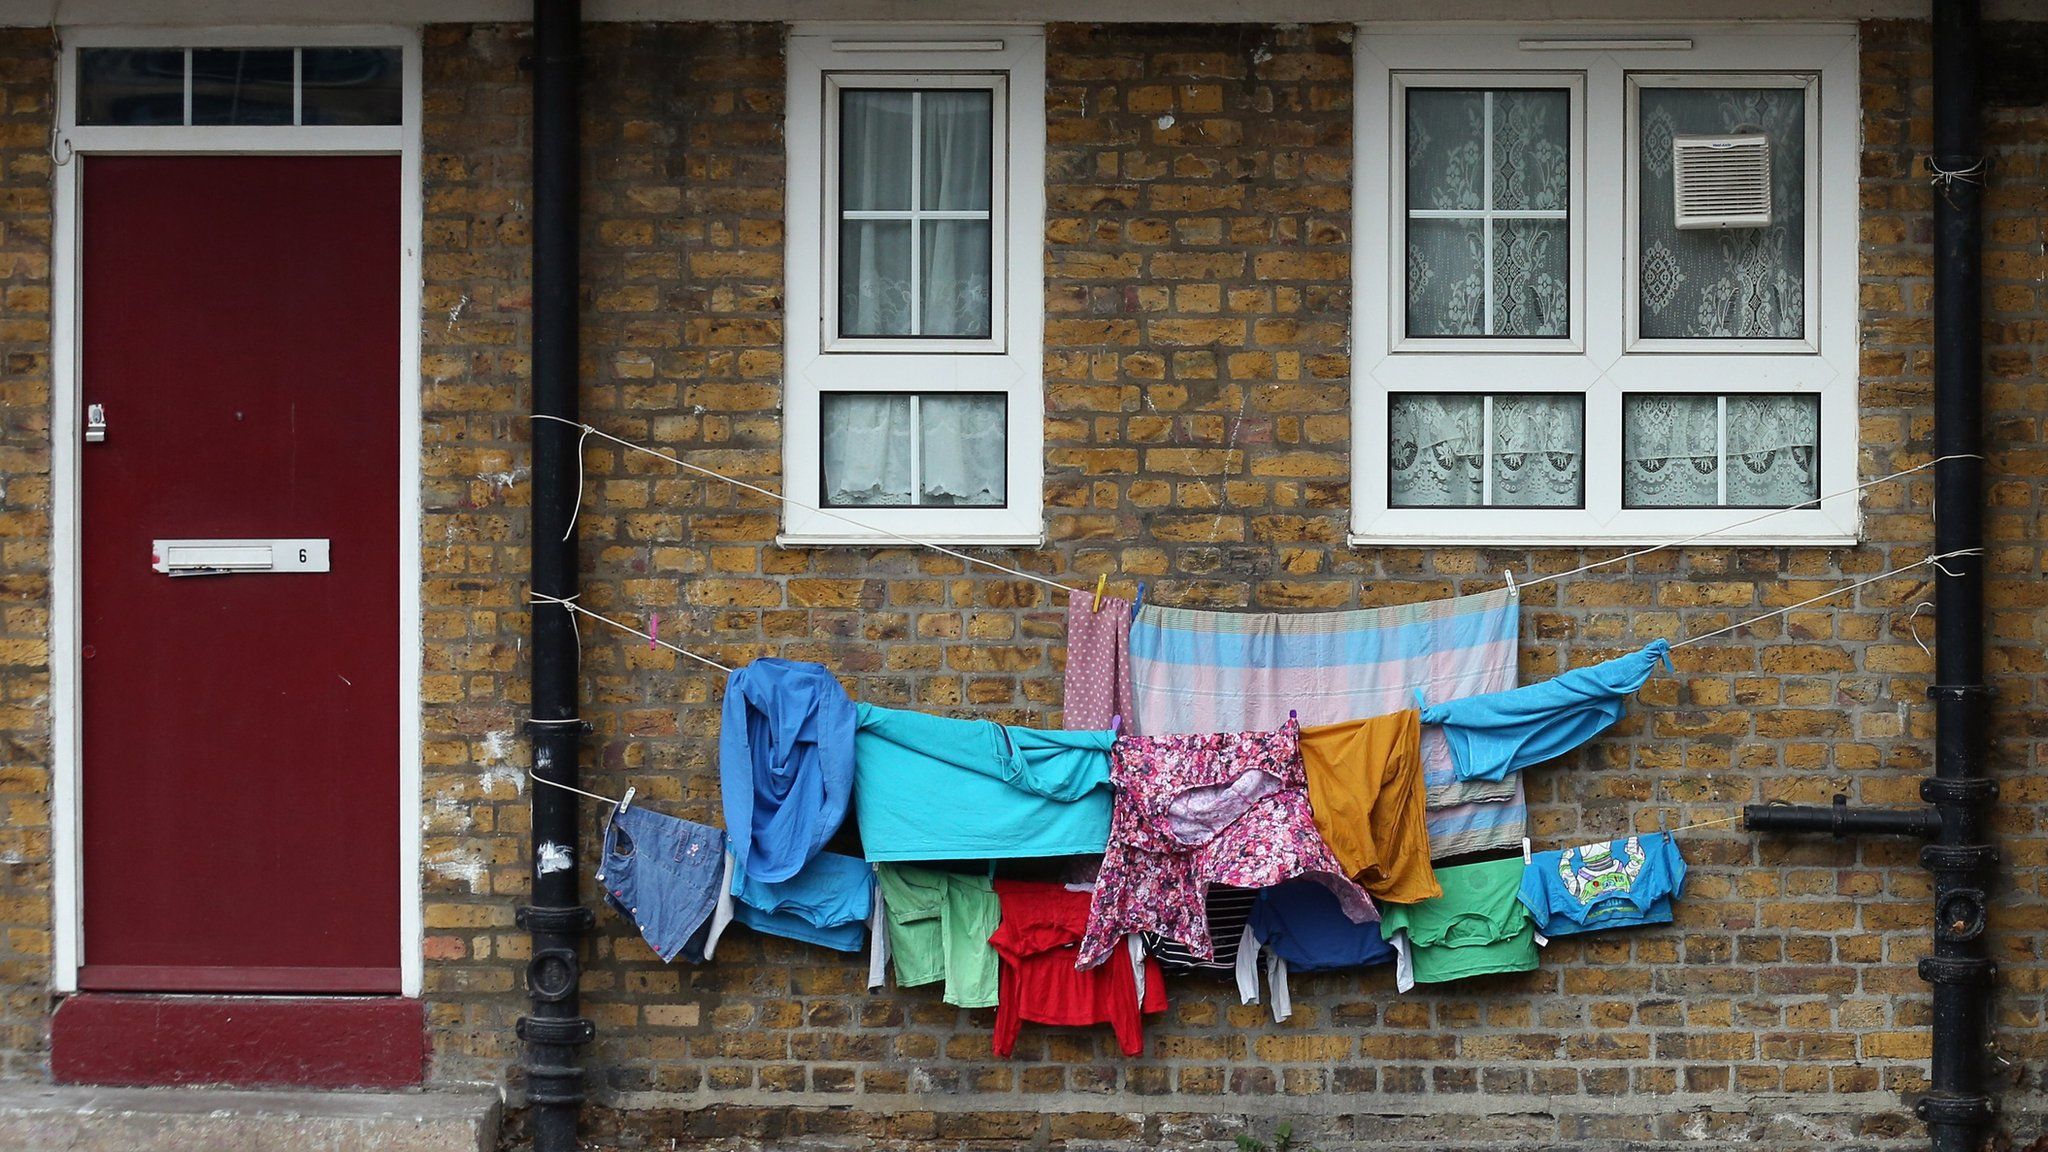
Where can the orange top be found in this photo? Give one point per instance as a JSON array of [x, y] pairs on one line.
[[1365, 787]]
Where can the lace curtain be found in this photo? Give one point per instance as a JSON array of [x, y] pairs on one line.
[[961, 449], [949, 133], [1723, 282], [1435, 458], [1449, 135], [1673, 459]]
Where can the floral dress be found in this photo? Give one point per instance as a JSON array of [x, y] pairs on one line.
[[1194, 810]]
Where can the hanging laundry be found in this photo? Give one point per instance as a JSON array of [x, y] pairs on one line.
[[1300, 927], [1477, 927], [1192, 811], [664, 874], [826, 903], [1195, 671], [1503, 732], [1365, 788], [1228, 910], [1616, 884], [939, 925], [934, 788], [1042, 924], [1098, 678], [785, 766]]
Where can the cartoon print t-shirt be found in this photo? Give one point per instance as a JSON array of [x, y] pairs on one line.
[[1617, 884]]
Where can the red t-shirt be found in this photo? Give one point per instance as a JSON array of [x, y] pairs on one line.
[[1036, 944]]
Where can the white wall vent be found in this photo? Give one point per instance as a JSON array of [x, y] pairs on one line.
[[1721, 181]]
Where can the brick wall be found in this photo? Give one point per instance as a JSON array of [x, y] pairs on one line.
[[25, 69], [1197, 437]]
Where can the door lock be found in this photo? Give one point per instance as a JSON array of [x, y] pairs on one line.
[[95, 423]]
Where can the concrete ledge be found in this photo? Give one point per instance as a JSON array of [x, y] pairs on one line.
[[35, 1118]]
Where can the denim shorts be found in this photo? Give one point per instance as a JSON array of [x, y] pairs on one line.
[[664, 874]]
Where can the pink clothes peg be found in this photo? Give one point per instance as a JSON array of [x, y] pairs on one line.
[[653, 630]]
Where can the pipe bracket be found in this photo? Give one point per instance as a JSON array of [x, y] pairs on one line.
[[1961, 691], [1966, 971], [550, 1030], [570, 920], [1974, 792], [1959, 857], [1972, 1110]]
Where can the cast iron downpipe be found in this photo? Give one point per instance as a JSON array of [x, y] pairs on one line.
[[1957, 1107], [555, 1030]]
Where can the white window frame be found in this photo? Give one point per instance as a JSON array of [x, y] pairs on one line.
[[823, 59], [72, 142], [1605, 359]]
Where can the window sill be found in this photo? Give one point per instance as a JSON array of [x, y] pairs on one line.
[[1616, 540], [874, 540]]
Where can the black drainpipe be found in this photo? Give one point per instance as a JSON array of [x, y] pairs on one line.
[[1957, 1106], [555, 1029]]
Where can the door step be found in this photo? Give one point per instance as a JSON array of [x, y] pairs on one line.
[[37, 1118]]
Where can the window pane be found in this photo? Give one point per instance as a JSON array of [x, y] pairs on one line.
[[866, 448], [1773, 450], [1670, 446], [131, 86], [874, 278], [1446, 142], [1723, 282], [242, 86], [959, 135], [350, 86], [1488, 248], [1532, 278], [874, 149], [1539, 450], [1446, 277], [955, 277], [1433, 456], [1532, 165], [963, 456]]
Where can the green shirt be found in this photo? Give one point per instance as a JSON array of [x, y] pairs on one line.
[[1477, 927], [939, 925]]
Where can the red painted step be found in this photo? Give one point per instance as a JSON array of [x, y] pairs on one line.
[[239, 1041]]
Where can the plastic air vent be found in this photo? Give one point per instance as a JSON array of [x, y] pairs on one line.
[[1721, 181]]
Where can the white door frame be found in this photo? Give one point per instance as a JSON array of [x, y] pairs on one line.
[[71, 141]]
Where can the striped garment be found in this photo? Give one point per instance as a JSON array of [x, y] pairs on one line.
[[1196, 671]]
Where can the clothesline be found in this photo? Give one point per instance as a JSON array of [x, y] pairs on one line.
[[1935, 560], [589, 430]]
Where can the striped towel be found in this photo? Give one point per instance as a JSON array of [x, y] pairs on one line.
[[1195, 671]]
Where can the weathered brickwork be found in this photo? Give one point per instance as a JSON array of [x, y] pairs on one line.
[[1197, 437], [26, 57]]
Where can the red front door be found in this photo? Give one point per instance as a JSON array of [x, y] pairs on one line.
[[239, 327]]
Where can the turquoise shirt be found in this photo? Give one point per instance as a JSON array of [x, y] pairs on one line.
[[934, 788]]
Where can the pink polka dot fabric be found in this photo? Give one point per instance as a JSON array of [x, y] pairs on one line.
[[1098, 662]]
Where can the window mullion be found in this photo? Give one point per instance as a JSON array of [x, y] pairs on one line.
[[1721, 450], [1486, 451], [916, 450], [916, 225]]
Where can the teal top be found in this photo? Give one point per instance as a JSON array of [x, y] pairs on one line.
[[934, 788]]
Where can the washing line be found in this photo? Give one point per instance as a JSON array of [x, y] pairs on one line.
[[589, 430]]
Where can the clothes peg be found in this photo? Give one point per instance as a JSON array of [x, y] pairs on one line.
[[625, 801], [1512, 590], [653, 630], [1527, 856], [1116, 722], [1139, 602], [1099, 582], [1293, 715]]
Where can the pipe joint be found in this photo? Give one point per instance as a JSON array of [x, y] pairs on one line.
[[572, 920], [565, 1033], [1964, 859], [1958, 971], [1948, 1109], [1973, 792]]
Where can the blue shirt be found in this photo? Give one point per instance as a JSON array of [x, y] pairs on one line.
[[934, 788], [827, 903], [1502, 732], [785, 766], [1301, 922], [1618, 884]]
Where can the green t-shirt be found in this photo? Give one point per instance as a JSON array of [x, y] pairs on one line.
[[939, 925], [1476, 928]]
